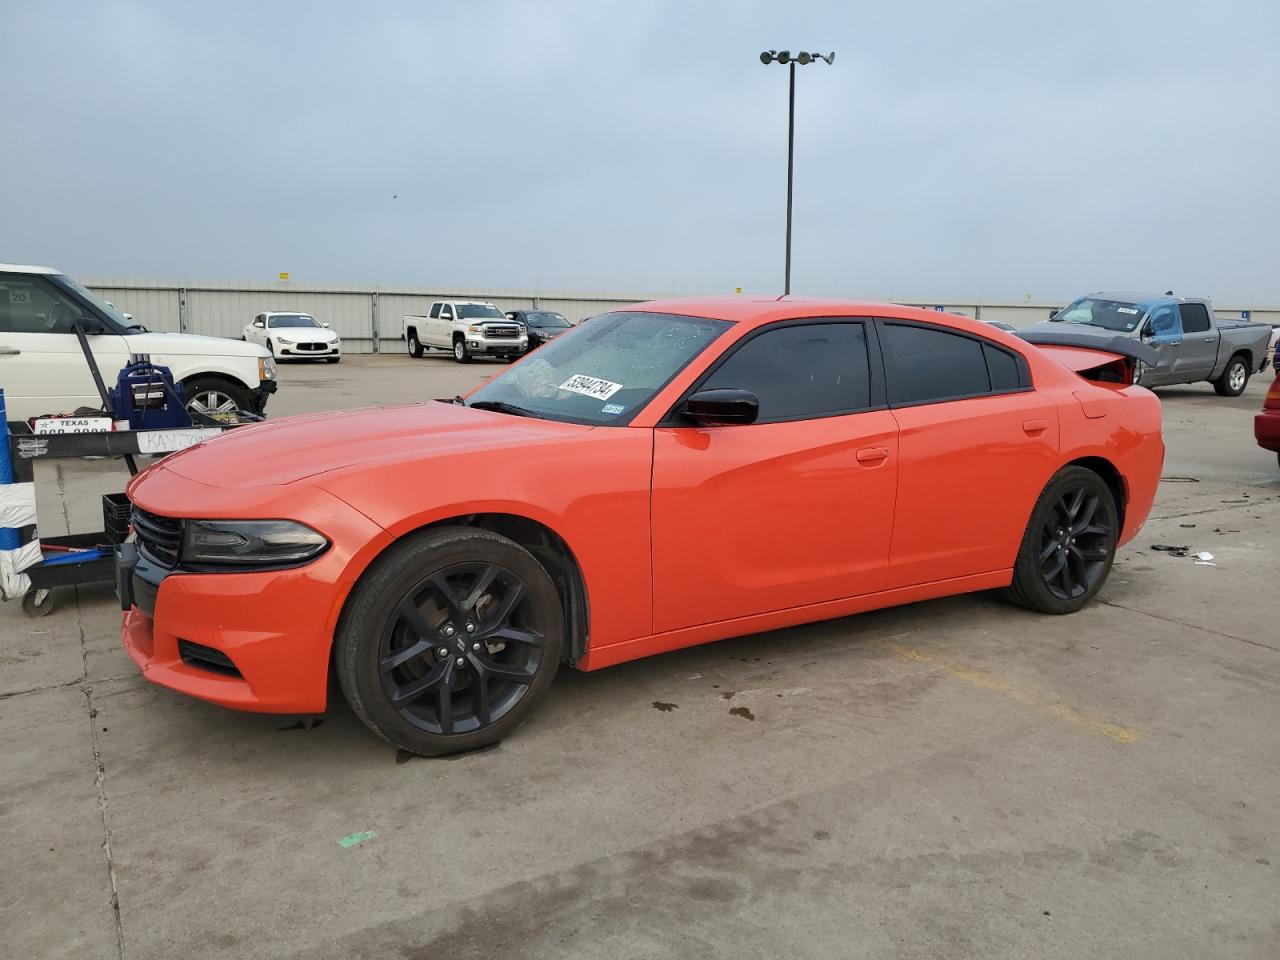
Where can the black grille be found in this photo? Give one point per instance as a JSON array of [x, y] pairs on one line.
[[496, 332], [312, 346], [206, 658], [158, 537]]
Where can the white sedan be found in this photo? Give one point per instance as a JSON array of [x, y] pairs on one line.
[[297, 335]]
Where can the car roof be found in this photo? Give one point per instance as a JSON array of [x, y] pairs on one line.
[[286, 313], [756, 310], [26, 268]]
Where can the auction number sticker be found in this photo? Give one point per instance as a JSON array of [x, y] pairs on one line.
[[1126, 310], [591, 386]]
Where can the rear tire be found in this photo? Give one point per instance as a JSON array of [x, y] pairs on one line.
[[414, 344], [460, 351], [1069, 545], [449, 641], [1234, 379]]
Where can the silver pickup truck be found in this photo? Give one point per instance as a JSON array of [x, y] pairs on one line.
[[1191, 343]]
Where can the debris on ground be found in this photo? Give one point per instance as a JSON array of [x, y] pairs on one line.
[[1179, 480], [352, 839], [1169, 548]]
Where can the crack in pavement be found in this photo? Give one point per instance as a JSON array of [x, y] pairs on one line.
[[1184, 623], [1221, 506], [100, 778]]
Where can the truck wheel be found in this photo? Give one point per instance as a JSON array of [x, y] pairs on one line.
[[216, 398], [415, 345], [449, 641], [1234, 379], [460, 351]]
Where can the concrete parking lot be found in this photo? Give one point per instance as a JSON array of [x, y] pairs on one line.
[[957, 778]]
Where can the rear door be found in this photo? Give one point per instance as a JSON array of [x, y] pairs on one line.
[[42, 368], [976, 446], [1198, 355], [794, 509]]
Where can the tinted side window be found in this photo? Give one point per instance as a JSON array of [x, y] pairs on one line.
[[1002, 368], [801, 370], [924, 364], [1195, 318], [435, 310], [30, 304]]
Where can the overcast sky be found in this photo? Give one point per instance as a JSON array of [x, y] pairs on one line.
[[954, 150]]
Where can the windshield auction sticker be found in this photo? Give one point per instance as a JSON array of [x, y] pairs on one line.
[[591, 386]]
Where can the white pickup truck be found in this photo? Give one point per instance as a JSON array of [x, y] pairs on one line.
[[43, 370], [467, 328]]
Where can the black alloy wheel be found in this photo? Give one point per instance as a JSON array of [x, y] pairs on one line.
[[1069, 544], [1076, 542], [449, 641], [460, 652]]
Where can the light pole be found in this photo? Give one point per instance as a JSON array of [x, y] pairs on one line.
[[785, 58]]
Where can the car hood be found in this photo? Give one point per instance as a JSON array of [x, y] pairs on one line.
[[184, 344], [295, 448]]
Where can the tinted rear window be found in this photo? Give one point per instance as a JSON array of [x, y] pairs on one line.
[[1195, 318], [926, 364], [1002, 367]]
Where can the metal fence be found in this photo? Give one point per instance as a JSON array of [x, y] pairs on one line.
[[368, 318]]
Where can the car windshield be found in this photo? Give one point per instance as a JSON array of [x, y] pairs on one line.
[[479, 311], [1108, 314], [602, 372], [292, 320], [62, 280], [546, 320]]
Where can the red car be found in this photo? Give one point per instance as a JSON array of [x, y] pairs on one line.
[[666, 475], [1266, 425]]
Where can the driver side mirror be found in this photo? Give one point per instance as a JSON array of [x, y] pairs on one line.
[[721, 408], [259, 323], [1053, 314], [325, 324]]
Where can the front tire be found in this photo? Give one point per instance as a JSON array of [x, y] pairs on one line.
[[1234, 379], [460, 351], [216, 398], [449, 641], [1069, 545], [414, 344]]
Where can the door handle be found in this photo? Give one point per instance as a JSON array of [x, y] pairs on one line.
[[9, 351], [1033, 428], [872, 455], [1206, 339]]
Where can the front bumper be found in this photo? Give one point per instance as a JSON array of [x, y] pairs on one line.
[[265, 389], [497, 348], [273, 628], [310, 350], [1266, 429]]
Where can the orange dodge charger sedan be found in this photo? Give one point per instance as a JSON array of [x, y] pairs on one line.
[[661, 476]]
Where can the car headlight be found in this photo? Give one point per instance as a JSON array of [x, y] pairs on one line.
[[249, 543], [475, 328], [266, 368], [288, 343]]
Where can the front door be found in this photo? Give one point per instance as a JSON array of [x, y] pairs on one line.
[[1163, 330], [794, 509], [42, 368]]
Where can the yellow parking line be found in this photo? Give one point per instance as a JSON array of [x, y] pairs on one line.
[[1094, 724]]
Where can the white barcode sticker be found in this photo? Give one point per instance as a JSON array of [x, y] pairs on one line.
[[591, 386], [1125, 310]]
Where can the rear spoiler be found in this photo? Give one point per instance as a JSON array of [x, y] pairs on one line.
[[1121, 346]]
